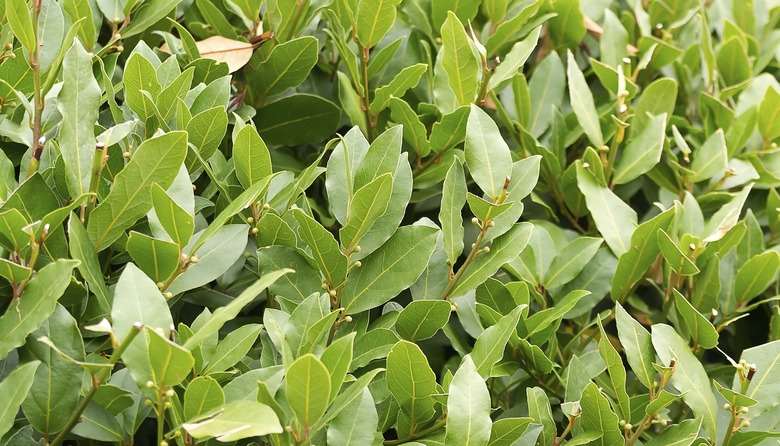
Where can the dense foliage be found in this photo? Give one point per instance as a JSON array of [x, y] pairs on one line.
[[357, 222]]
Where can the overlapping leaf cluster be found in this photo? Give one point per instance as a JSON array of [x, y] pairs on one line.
[[367, 222]]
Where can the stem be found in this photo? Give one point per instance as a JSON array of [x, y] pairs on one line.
[[96, 380], [569, 427], [730, 428], [296, 18], [472, 255], [413, 436], [160, 415], [37, 145], [621, 133], [97, 169], [364, 55]]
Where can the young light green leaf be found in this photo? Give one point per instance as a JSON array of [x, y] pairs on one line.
[[78, 102], [367, 206], [177, 222], [251, 157], [19, 17], [421, 319], [689, 375], [450, 217], [616, 372], [202, 395], [539, 410], [170, 362], [234, 421], [582, 103], [356, 424], [487, 155], [308, 389], [711, 158], [489, 348], [233, 348], [614, 219], [458, 60], [157, 258], [331, 261], [82, 249], [468, 408], [411, 381], [638, 345], [597, 415], [674, 255], [513, 61], [373, 20]]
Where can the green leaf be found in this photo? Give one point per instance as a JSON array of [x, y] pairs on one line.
[[78, 102], [450, 212], [513, 61], [644, 250], [206, 130], [614, 219], [373, 20], [458, 60], [711, 158], [539, 409], [170, 363], [733, 63], [613, 40], [415, 133], [598, 416], [489, 348], [138, 300], [233, 348], [146, 14], [546, 88], [202, 395], [82, 249], [308, 389], [287, 66], [297, 119], [215, 257], [736, 399], [766, 357], [756, 275], [18, 14], [468, 407], [391, 269], [768, 113], [421, 319], [13, 390], [582, 103], [331, 261], [157, 258], [702, 331], [411, 381], [367, 205], [251, 157], [568, 263], [682, 434], [140, 76], [451, 130], [657, 99], [689, 375], [157, 160], [485, 210], [407, 79], [356, 424], [227, 313], [617, 374], [567, 29], [544, 319], [337, 358], [642, 153], [507, 430], [502, 250], [55, 392], [234, 421], [35, 305], [674, 255], [175, 220], [638, 346], [487, 155]]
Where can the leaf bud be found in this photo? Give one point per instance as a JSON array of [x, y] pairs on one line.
[[475, 220], [745, 423], [168, 404], [727, 406], [193, 259], [357, 248], [126, 155], [148, 402], [169, 393], [149, 384], [168, 295], [332, 293], [266, 206], [288, 428], [491, 223], [348, 319], [255, 231], [160, 285], [250, 220], [163, 443], [357, 264], [12, 56], [486, 249], [629, 426]]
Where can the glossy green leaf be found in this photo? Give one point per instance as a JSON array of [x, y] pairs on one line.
[[450, 213], [421, 319], [582, 103], [373, 20], [287, 66], [308, 389], [637, 344], [459, 61], [468, 407], [234, 421], [13, 390], [251, 157], [642, 153], [35, 305], [411, 381], [756, 275], [487, 155], [202, 395]]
